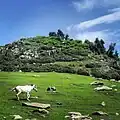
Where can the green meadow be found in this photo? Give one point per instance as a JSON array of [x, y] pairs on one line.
[[74, 92]]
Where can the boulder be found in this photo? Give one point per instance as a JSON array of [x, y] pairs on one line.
[[103, 104], [42, 111], [115, 90], [58, 103], [102, 88], [99, 113], [112, 80], [77, 116], [117, 114], [37, 105], [74, 113], [97, 83], [16, 117], [20, 70], [113, 86]]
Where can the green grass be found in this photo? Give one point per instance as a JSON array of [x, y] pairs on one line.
[[73, 91]]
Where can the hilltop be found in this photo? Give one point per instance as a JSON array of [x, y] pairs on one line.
[[59, 53]]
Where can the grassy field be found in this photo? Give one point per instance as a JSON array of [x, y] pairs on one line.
[[73, 91]]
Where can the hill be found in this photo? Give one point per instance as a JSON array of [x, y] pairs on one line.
[[55, 53]]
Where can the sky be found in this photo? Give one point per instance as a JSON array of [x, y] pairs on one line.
[[81, 19]]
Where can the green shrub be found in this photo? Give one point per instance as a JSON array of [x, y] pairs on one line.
[[93, 65], [82, 71], [111, 74], [96, 73]]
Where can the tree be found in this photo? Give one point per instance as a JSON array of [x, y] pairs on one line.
[[7, 60], [52, 34], [111, 49], [87, 41], [116, 55], [102, 48], [99, 46], [60, 34], [66, 37]]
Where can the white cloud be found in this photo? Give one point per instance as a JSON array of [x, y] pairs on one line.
[[107, 35], [114, 9], [106, 19], [86, 4], [80, 5], [92, 35]]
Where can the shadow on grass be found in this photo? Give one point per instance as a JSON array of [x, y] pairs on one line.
[[15, 99]]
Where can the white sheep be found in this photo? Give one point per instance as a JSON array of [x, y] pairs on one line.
[[24, 89]]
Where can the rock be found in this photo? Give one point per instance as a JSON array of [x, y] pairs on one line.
[[103, 104], [20, 70], [77, 116], [59, 103], [17, 117], [102, 88], [99, 113], [115, 90], [37, 105], [112, 80], [99, 79], [113, 86], [74, 113], [117, 114], [42, 111], [36, 75], [4, 117], [97, 83], [13, 106]]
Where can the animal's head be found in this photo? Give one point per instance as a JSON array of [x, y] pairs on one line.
[[34, 87]]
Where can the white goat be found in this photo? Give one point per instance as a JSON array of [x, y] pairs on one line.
[[24, 89]]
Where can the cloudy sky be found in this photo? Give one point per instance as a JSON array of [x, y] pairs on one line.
[[81, 19]]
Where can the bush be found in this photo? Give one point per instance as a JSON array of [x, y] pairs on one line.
[[111, 74], [82, 71], [96, 73], [90, 65], [93, 65]]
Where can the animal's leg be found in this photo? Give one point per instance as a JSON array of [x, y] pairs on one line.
[[28, 96], [18, 95]]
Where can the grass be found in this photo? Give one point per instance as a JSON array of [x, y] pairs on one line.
[[73, 91]]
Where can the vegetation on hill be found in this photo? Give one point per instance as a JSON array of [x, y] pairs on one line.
[[40, 53]]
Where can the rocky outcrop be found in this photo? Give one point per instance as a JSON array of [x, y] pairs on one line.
[[37, 105]]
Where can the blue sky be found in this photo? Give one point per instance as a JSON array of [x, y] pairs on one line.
[[81, 19]]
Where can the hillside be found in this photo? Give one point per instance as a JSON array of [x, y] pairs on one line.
[[40, 53], [74, 92]]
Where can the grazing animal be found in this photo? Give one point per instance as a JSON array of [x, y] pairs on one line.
[[24, 89], [52, 89], [49, 89]]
